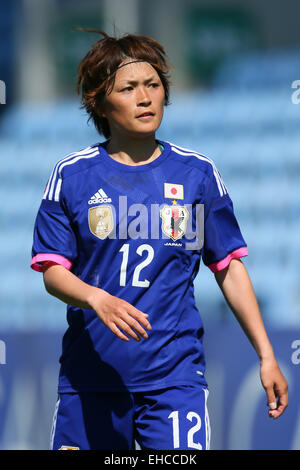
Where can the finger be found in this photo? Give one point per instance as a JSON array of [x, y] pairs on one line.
[[281, 405], [140, 316], [276, 413], [271, 398], [117, 332], [134, 324], [127, 329], [282, 402], [283, 399]]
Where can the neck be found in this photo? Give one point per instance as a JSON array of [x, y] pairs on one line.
[[133, 151]]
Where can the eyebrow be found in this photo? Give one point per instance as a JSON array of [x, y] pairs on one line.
[[135, 82]]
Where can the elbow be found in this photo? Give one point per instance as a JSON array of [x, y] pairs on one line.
[[49, 281], [48, 287]]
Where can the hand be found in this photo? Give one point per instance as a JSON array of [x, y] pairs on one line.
[[117, 315], [275, 385]]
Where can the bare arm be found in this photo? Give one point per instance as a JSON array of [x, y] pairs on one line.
[[117, 314], [237, 288]]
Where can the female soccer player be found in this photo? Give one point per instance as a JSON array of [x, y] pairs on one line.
[[119, 237]]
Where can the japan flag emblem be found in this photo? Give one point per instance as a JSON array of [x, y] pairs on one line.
[[174, 191]]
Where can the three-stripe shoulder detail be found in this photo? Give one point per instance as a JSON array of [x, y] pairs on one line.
[[187, 152], [53, 188]]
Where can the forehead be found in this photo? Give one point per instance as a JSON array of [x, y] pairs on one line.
[[134, 71]]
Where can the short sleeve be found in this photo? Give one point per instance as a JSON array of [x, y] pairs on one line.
[[223, 240], [53, 239]]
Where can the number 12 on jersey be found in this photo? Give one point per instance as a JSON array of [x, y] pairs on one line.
[[190, 434], [137, 271]]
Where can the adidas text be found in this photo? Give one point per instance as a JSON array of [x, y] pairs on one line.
[[99, 200]]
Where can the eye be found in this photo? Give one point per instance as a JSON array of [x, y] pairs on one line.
[[154, 85], [128, 88]]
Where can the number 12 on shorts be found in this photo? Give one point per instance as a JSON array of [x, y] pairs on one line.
[[191, 415]]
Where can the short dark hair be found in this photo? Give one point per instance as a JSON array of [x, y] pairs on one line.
[[96, 72]]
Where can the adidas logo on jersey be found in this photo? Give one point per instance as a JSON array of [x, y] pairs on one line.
[[99, 197]]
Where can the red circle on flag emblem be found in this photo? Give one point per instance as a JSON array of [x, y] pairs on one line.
[[174, 191]]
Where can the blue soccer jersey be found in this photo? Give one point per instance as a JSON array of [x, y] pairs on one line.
[[139, 233]]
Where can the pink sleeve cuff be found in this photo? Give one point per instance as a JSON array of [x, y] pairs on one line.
[[215, 267], [38, 260]]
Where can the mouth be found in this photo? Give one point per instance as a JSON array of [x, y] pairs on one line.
[[146, 114]]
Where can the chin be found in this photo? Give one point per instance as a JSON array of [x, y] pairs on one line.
[[143, 133], [147, 130]]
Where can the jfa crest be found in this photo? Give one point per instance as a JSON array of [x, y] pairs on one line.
[[101, 221], [174, 221]]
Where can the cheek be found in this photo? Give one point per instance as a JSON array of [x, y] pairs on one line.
[[161, 100], [162, 105], [160, 116], [115, 105], [112, 107], [117, 112]]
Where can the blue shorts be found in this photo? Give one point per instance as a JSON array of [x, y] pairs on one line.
[[165, 419]]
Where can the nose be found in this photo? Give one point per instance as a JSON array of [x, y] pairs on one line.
[[143, 97]]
